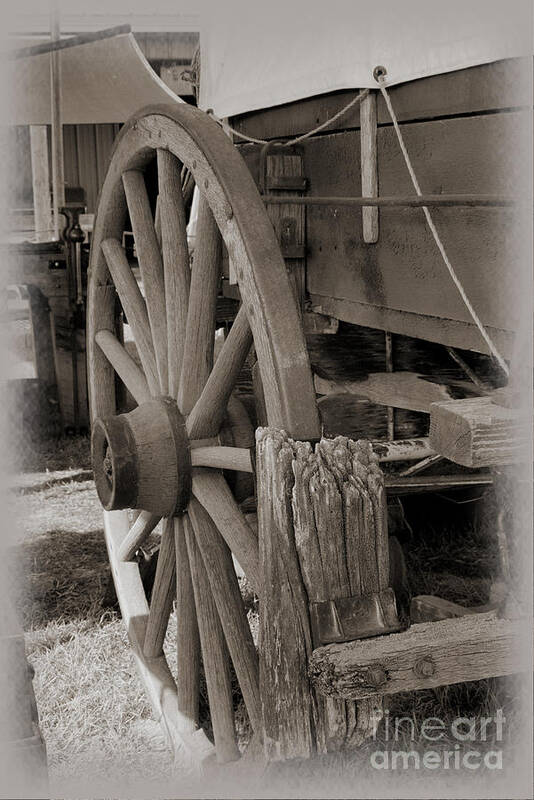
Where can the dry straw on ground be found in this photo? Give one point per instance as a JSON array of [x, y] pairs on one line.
[[94, 715]]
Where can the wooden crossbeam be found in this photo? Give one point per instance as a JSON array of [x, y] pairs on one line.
[[431, 654], [477, 432]]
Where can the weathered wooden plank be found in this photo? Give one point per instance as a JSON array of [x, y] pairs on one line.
[[341, 539], [476, 154], [476, 432], [488, 87], [434, 329], [431, 654], [323, 543], [397, 389]]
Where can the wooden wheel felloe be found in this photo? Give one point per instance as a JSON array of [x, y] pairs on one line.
[[165, 458]]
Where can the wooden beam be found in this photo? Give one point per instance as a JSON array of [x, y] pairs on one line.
[[402, 450], [431, 654], [58, 169], [394, 389], [407, 201], [477, 432], [71, 41], [398, 484]]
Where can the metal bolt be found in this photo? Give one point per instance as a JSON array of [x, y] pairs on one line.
[[377, 676], [424, 667]]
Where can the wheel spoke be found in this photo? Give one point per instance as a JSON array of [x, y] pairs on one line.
[[214, 655], [175, 261], [134, 307], [157, 221], [222, 457], [207, 415], [155, 673], [140, 530], [225, 589], [187, 638], [124, 365], [198, 351], [162, 594], [150, 264], [211, 489]]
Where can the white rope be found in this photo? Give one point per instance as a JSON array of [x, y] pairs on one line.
[[493, 349], [359, 97]]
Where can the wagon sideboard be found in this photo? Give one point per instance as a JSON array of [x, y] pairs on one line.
[[464, 131]]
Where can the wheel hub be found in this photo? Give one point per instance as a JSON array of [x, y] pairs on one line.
[[143, 459]]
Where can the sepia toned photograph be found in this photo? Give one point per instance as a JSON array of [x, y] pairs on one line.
[[266, 312]]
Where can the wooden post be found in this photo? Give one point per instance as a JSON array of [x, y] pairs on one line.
[[43, 341], [290, 715], [40, 183], [323, 545], [369, 166], [58, 170]]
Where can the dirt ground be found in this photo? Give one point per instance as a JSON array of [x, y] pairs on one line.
[[94, 717]]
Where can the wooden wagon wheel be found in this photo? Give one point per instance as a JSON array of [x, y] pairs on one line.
[[143, 459]]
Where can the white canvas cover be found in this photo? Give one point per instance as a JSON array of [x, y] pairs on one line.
[[101, 81], [261, 54]]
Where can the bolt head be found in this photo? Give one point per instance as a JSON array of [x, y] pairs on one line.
[[425, 667], [377, 676]]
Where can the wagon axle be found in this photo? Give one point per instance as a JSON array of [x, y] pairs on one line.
[[143, 459]]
